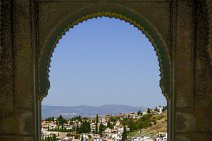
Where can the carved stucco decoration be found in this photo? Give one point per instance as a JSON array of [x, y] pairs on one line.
[[134, 19]]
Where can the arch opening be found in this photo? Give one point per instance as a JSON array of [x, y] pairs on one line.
[[156, 51], [154, 38]]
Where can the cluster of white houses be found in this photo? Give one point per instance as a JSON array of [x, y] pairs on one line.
[[109, 134]]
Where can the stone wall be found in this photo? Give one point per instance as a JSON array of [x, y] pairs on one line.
[[16, 73]]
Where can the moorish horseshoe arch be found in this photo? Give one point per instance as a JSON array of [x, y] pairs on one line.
[[124, 14], [112, 11]]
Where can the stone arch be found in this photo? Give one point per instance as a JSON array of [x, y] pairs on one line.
[[112, 11]]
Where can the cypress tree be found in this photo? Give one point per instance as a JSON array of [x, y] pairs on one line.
[[82, 138], [101, 128], [97, 121], [124, 134], [148, 110]]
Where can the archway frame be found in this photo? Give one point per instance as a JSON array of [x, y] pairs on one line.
[[112, 11], [154, 37]]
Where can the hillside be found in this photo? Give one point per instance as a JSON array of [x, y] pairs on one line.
[[152, 131]]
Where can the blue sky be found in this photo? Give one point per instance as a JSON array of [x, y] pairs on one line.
[[104, 61]]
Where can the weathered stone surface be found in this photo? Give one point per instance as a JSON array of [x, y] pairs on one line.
[[185, 122], [202, 137], [25, 123], [6, 61], [28, 139], [10, 138], [9, 125], [184, 55], [203, 71], [193, 137], [182, 138], [23, 56], [15, 138], [19, 123]]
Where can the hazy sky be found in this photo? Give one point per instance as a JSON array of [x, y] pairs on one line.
[[104, 61]]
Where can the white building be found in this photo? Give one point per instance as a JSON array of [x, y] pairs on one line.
[[160, 109], [161, 137]]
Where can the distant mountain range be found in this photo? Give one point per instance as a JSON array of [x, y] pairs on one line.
[[87, 111]]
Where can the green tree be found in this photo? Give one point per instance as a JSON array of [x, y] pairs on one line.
[[61, 121], [148, 110], [49, 119], [124, 134], [144, 124], [145, 121], [82, 138], [164, 108], [77, 129], [125, 121], [54, 137], [113, 119], [78, 118], [101, 128], [97, 121], [85, 127], [85, 118], [146, 117], [109, 125], [138, 113], [132, 125]]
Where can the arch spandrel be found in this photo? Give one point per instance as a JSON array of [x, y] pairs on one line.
[[112, 11], [51, 13]]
